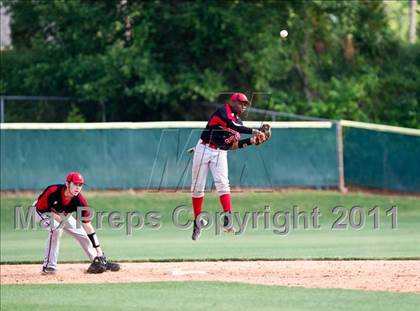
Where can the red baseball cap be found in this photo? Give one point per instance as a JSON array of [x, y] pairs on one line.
[[75, 177], [240, 97]]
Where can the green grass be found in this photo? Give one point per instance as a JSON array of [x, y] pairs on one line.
[[170, 242], [196, 296]]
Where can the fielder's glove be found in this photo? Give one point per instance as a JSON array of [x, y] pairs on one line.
[[97, 266], [101, 264], [266, 129]]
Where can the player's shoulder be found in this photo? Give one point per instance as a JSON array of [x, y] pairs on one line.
[[225, 112], [52, 188], [49, 191], [221, 109], [220, 112]]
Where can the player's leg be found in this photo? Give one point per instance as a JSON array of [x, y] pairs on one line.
[[99, 264], [220, 172], [52, 246], [80, 235], [200, 170]]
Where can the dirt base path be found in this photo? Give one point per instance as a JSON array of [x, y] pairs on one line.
[[375, 275]]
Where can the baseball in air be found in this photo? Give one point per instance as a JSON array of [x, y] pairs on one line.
[[284, 33]]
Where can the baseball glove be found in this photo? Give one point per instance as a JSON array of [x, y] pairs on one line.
[[97, 266], [266, 129]]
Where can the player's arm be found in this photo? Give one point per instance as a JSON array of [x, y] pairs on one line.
[[100, 262], [262, 135], [56, 216], [243, 143], [245, 130], [87, 226], [90, 231], [225, 120], [240, 128]]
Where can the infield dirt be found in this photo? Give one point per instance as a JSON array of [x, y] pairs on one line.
[[372, 275]]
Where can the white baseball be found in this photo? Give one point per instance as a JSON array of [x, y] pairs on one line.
[[284, 33]]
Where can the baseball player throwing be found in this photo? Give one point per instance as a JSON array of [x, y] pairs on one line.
[[222, 133], [54, 207]]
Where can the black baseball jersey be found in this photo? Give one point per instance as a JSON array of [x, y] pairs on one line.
[[53, 199], [224, 128]]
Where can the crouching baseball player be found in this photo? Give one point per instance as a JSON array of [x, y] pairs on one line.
[[221, 134], [53, 211]]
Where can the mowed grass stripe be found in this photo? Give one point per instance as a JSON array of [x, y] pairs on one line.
[[196, 296]]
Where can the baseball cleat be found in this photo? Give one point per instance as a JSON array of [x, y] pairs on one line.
[[48, 271], [227, 224], [196, 232], [111, 266]]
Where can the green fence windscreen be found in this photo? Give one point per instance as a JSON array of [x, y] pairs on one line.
[[382, 160], [157, 158]]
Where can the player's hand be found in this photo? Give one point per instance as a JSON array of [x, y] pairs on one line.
[[259, 135], [262, 135], [258, 140]]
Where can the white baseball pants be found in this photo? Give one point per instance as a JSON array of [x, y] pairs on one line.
[[53, 242], [206, 158]]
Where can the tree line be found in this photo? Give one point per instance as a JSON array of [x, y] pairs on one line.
[[127, 60]]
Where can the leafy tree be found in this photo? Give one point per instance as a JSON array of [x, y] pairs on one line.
[[161, 60]]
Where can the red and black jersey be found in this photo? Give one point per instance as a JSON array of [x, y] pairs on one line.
[[53, 199], [224, 128]]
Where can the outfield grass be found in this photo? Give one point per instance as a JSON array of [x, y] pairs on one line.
[[196, 296], [170, 242]]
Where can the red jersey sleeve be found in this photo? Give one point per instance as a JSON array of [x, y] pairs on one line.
[[42, 203], [85, 212]]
